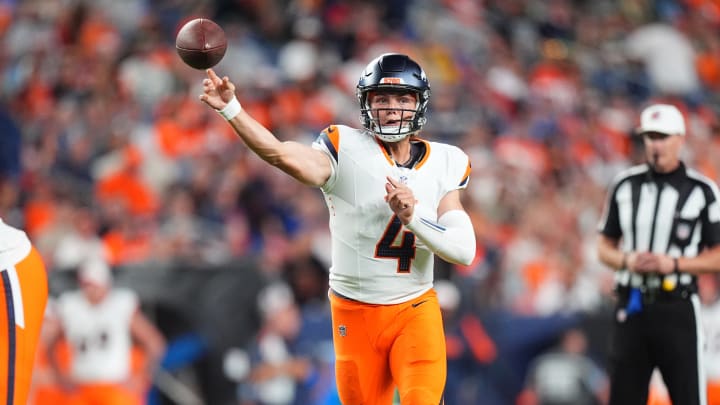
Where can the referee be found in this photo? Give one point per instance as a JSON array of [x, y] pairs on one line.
[[660, 226]]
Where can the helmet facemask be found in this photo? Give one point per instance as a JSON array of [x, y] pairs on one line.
[[399, 74], [410, 120]]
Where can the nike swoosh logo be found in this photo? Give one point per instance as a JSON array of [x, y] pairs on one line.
[[417, 304]]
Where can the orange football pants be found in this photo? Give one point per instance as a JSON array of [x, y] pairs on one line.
[[713, 393], [23, 296], [105, 394], [380, 347]]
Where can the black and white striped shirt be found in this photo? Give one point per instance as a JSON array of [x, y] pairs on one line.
[[676, 213]]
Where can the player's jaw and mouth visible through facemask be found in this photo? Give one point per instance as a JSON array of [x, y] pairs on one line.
[[392, 120]]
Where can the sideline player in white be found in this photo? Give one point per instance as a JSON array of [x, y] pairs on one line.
[[101, 322], [394, 201]]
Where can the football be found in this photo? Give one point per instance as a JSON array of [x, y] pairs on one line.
[[201, 43]]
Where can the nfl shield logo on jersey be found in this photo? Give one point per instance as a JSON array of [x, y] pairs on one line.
[[682, 231], [342, 329]]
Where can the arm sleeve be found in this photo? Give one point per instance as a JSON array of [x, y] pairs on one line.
[[452, 237]]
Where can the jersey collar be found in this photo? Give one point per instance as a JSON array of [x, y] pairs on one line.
[[420, 160]]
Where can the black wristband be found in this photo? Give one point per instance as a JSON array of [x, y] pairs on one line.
[[676, 268], [623, 265]]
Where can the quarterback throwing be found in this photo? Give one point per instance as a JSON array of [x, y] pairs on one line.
[[394, 202]]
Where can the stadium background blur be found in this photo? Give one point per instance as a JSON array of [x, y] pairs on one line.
[[105, 148]]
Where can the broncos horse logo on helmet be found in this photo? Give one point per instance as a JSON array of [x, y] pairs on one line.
[[393, 72]]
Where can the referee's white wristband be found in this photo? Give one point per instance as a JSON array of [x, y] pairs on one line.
[[232, 109]]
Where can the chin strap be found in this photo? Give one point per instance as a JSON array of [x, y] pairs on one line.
[[452, 237]]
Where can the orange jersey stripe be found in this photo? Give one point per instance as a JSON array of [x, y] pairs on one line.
[[385, 152], [330, 137], [334, 136], [466, 176], [427, 154]]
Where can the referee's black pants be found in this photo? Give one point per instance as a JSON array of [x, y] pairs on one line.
[[664, 334]]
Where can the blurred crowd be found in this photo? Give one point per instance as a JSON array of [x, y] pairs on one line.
[[106, 151]]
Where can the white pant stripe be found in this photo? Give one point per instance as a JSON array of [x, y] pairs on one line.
[[17, 296]]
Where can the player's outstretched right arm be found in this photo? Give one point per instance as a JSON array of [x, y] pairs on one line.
[[307, 165]]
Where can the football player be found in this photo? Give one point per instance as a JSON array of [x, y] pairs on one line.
[[102, 323], [24, 289], [394, 202]]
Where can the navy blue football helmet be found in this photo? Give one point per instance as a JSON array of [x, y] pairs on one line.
[[393, 72]]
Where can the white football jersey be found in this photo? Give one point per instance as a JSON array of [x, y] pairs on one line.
[[375, 259], [99, 334], [14, 245]]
